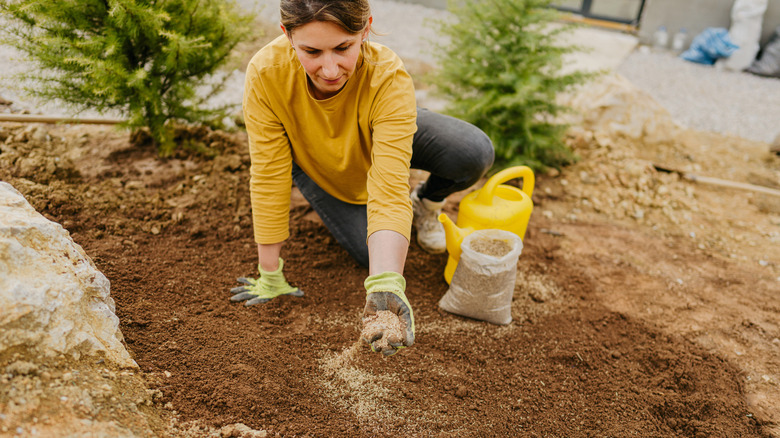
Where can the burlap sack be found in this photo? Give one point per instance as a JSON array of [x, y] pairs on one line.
[[484, 281]]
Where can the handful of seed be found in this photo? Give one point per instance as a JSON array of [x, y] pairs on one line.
[[384, 325]]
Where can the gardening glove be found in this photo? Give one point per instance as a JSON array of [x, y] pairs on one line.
[[385, 291], [269, 285]]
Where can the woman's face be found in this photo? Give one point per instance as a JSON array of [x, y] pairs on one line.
[[328, 53]]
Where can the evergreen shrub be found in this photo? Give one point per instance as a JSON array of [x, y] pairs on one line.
[[501, 70], [149, 60]]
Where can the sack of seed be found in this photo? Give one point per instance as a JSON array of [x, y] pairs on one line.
[[484, 281]]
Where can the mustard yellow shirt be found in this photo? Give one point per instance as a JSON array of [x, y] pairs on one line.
[[356, 145]]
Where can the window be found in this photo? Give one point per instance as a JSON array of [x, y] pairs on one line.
[[621, 11]]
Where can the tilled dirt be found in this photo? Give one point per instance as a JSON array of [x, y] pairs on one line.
[[622, 326]]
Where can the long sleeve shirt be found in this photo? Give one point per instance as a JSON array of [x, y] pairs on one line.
[[356, 145]]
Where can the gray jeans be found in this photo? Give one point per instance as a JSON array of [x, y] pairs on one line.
[[456, 153]]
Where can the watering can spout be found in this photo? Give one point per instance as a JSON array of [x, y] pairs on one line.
[[453, 235], [494, 206]]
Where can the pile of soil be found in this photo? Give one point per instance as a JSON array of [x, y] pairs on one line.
[[621, 325]]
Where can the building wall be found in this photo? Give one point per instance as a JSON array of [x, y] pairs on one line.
[[697, 15]]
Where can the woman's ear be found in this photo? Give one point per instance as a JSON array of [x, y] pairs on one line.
[[289, 37], [368, 28]]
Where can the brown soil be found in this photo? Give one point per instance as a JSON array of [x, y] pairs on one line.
[[658, 324]]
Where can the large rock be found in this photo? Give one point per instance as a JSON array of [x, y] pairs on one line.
[[53, 300]]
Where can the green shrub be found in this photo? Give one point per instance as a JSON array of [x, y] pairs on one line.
[[501, 70], [148, 60]]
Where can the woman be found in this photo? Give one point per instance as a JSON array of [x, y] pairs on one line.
[[336, 114]]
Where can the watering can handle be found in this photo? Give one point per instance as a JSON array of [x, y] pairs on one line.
[[486, 193]]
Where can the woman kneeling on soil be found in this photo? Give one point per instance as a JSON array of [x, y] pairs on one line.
[[336, 114]]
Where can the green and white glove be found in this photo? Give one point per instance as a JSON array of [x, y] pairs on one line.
[[386, 291], [269, 285]]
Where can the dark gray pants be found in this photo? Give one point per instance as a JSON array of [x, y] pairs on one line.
[[456, 153]]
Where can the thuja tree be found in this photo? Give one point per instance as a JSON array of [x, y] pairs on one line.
[[501, 70], [151, 60]]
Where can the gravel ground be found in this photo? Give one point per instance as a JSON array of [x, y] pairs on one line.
[[404, 27], [708, 98], [699, 97]]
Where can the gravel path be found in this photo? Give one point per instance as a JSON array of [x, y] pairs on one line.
[[708, 98], [404, 27], [697, 96]]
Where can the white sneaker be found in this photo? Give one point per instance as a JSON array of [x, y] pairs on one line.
[[430, 232]]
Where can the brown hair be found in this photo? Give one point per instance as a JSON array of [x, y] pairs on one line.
[[350, 15]]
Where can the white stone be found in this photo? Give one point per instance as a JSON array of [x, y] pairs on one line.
[[53, 300]]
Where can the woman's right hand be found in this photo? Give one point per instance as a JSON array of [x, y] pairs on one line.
[[271, 284]]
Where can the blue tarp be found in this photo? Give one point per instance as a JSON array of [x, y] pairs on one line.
[[710, 45]]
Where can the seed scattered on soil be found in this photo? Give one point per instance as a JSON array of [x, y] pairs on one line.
[[491, 247], [346, 357], [385, 323]]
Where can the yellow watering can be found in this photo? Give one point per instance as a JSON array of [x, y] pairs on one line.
[[494, 206]]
